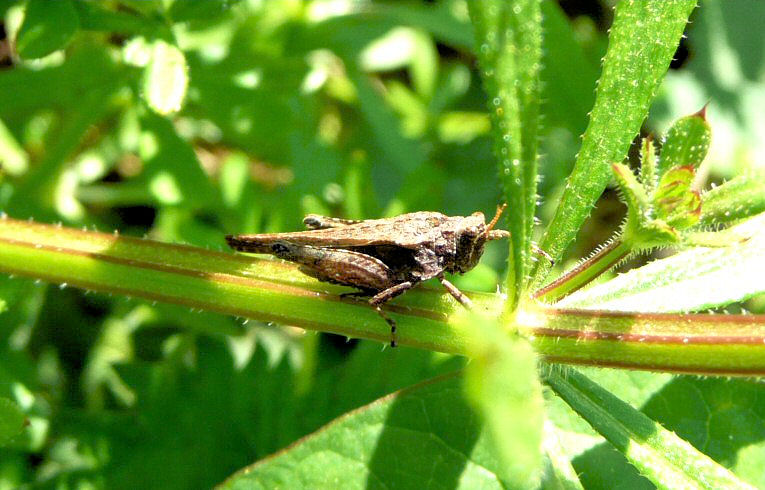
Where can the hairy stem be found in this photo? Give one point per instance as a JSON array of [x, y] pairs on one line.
[[586, 271], [271, 290]]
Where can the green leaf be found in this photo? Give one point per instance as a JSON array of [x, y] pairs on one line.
[[648, 171], [632, 193], [686, 143], [184, 11], [424, 65], [560, 475], [732, 430], [453, 83], [640, 231], [402, 153], [414, 116], [508, 43], [24, 92], [462, 127], [445, 21], [675, 201], [12, 420], [719, 73], [642, 41], [47, 27], [165, 78], [173, 173], [568, 76], [595, 462], [658, 454], [691, 280], [43, 192], [13, 159], [422, 436], [147, 8], [239, 193], [96, 16], [206, 409], [739, 198], [511, 405]]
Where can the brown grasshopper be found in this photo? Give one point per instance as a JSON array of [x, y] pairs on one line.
[[381, 257]]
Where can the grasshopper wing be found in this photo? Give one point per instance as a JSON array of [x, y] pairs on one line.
[[411, 231], [319, 222]]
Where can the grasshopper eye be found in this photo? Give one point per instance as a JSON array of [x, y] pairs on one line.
[[311, 221]]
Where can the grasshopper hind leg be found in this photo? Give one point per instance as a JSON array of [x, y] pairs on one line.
[[348, 268], [391, 322]]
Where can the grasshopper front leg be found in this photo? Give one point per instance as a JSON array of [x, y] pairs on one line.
[[383, 297], [456, 293]]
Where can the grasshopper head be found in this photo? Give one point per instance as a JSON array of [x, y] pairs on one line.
[[471, 237]]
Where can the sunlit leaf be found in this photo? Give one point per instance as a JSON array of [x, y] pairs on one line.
[[511, 404], [675, 201], [47, 27], [659, 455], [166, 78], [691, 280], [739, 198], [11, 420], [686, 143], [423, 435]]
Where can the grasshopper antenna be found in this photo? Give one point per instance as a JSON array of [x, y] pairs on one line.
[[492, 234]]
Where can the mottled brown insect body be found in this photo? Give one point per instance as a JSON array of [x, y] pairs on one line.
[[381, 257]]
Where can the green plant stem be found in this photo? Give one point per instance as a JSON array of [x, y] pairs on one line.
[[509, 50], [271, 290], [586, 271], [683, 343]]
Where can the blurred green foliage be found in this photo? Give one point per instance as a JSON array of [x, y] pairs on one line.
[[187, 120]]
